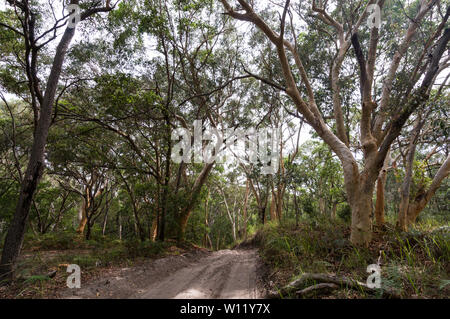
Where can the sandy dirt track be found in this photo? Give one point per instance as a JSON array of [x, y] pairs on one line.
[[225, 274]]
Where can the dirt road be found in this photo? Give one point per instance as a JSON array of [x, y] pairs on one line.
[[223, 274]]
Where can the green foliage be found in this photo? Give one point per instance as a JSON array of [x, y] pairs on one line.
[[36, 278], [308, 206], [344, 212], [57, 241], [134, 248]]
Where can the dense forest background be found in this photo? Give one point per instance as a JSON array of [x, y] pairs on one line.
[[88, 115]]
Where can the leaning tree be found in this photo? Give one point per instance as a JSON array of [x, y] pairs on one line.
[[383, 109], [31, 37]]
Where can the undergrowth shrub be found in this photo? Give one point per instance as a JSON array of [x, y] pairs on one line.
[[415, 263], [135, 248], [61, 240]]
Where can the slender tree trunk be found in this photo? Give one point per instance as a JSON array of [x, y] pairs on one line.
[[105, 221], [87, 208], [381, 185], [280, 186], [206, 220], [333, 211], [287, 204], [182, 224], [82, 216], [218, 241], [262, 214], [154, 229], [156, 214], [322, 205], [88, 230], [402, 222], [165, 195], [279, 201], [231, 215], [296, 209], [273, 204], [138, 228], [379, 206], [185, 213], [209, 242], [423, 196], [247, 192], [119, 222]]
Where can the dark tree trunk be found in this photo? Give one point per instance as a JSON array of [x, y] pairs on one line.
[[262, 214], [296, 209], [165, 195], [88, 230], [105, 220]]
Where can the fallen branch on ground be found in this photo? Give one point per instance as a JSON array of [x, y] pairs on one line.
[[52, 274], [316, 290], [342, 281]]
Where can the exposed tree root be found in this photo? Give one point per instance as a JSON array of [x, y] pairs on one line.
[[301, 285]]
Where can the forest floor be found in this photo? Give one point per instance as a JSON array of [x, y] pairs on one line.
[[195, 275], [414, 264]]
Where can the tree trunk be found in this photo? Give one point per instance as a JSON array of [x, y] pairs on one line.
[[247, 191], [273, 216], [206, 221], [119, 222], [423, 196], [296, 209], [262, 214], [402, 223], [381, 185], [333, 211], [165, 195], [82, 216], [379, 206], [279, 201], [88, 208], [105, 221], [88, 230], [361, 206], [218, 241], [322, 205], [287, 205], [182, 224], [231, 215], [154, 229], [195, 192]]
